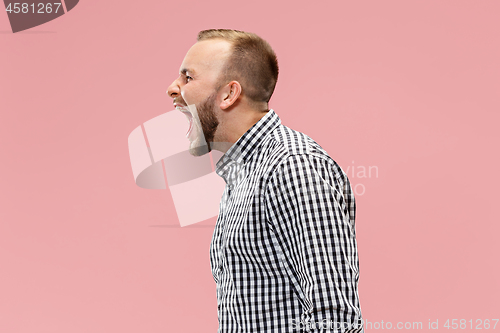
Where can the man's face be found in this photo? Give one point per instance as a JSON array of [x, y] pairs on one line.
[[196, 85]]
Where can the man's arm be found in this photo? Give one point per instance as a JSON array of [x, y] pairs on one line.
[[310, 208]]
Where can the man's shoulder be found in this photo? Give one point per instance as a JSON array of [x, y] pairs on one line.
[[290, 147], [293, 142]]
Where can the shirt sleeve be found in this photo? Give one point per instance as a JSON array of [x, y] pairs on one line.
[[310, 209]]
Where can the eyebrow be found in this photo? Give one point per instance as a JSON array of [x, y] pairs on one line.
[[184, 71]]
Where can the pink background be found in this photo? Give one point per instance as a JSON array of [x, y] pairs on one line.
[[409, 87]]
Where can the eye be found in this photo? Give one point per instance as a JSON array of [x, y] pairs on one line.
[[188, 78]]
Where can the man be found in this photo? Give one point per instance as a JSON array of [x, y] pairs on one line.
[[283, 253]]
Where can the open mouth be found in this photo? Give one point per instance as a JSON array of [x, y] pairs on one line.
[[189, 117]]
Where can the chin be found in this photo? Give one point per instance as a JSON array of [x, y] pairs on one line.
[[198, 145]]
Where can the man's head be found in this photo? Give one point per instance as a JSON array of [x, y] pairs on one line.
[[252, 63], [227, 75]]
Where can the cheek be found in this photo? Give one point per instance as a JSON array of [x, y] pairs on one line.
[[186, 97], [190, 94]]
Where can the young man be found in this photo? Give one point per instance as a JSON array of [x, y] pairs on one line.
[[283, 253]]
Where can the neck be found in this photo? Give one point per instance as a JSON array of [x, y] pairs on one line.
[[234, 126], [221, 146]]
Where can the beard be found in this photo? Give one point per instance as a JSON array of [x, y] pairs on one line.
[[209, 123]]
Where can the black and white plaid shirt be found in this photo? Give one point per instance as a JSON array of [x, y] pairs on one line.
[[283, 253]]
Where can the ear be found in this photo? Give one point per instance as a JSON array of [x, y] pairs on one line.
[[229, 94]]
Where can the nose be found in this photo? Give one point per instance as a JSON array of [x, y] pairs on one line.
[[174, 89]]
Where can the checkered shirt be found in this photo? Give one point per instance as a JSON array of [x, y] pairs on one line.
[[283, 253]]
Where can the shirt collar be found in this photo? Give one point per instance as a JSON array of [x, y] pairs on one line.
[[246, 145]]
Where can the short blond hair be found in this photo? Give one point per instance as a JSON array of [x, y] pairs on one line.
[[252, 62]]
